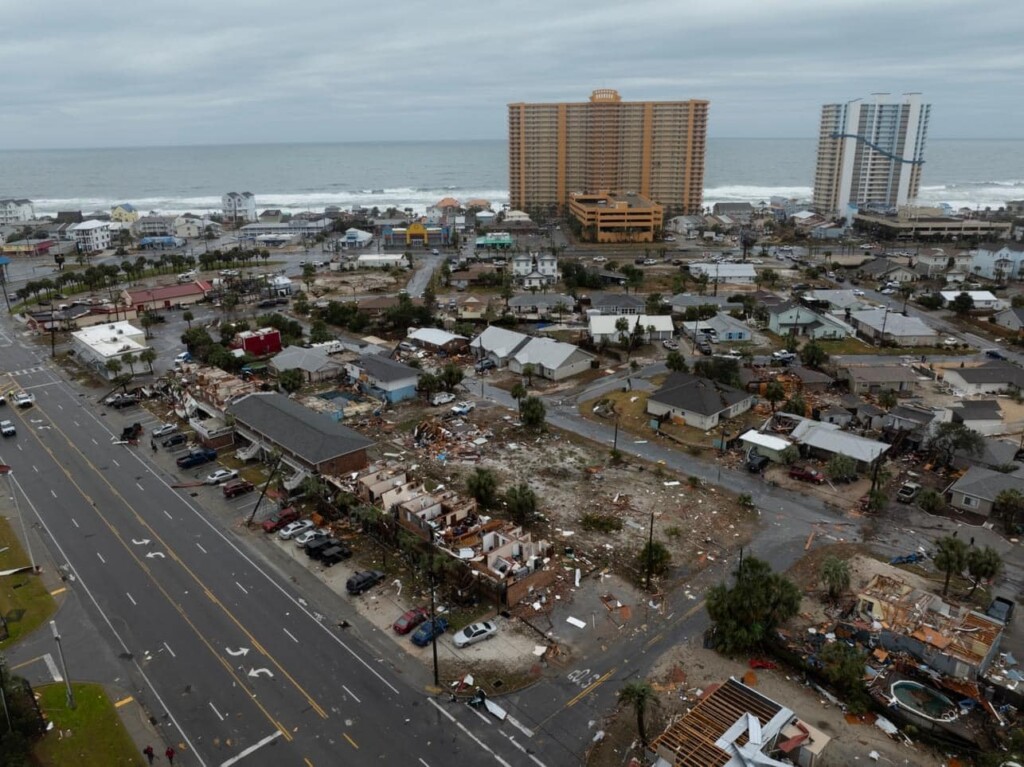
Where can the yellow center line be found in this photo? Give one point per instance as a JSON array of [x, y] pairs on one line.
[[180, 610], [124, 702], [173, 555], [28, 662], [61, 590], [354, 744], [308, 763], [589, 690]]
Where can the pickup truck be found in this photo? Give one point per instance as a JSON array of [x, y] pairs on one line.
[[908, 492], [463, 408], [197, 458], [1001, 609], [784, 356], [806, 475]]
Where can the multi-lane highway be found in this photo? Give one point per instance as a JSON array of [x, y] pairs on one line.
[[215, 642]]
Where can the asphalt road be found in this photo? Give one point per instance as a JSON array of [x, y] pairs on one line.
[[213, 640]]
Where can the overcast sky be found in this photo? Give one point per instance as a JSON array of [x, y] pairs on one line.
[[119, 73]]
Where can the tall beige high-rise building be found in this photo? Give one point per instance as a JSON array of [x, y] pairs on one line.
[[651, 148], [870, 152]]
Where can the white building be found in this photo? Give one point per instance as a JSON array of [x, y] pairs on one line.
[[1002, 264], [192, 227], [652, 327], [381, 260], [239, 206], [153, 226], [15, 211], [870, 151], [733, 274], [96, 345], [535, 270], [983, 300], [92, 236]]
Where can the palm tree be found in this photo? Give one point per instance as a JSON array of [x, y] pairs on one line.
[[188, 317], [114, 366], [774, 392], [950, 557], [130, 360], [983, 564], [887, 399], [528, 371], [640, 695], [148, 356], [519, 393], [835, 574]]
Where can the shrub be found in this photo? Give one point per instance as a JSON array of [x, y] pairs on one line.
[[600, 523]]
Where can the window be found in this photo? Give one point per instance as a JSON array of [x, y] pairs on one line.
[[970, 502]]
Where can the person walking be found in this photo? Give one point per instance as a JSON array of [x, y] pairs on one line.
[[169, 753], [148, 751]]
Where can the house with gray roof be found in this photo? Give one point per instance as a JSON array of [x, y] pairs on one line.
[[680, 302], [995, 454], [794, 319], [617, 303], [698, 402], [316, 364], [728, 328], [991, 378], [823, 440], [550, 359], [873, 379], [977, 490], [981, 415], [384, 378], [1011, 319], [308, 441], [536, 306], [893, 328], [497, 344]]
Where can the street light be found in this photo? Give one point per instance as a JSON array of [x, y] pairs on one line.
[[63, 664]]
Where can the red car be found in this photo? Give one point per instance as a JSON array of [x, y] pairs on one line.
[[410, 620], [806, 475], [279, 519], [237, 487]]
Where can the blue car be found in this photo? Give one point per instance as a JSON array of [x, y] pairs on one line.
[[428, 630]]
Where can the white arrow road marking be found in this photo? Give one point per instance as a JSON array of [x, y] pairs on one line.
[[143, 542], [255, 672], [236, 653], [152, 554]]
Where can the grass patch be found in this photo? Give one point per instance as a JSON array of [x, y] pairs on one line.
[[92, 733], [24, 600], [857, 346], [602, 523]]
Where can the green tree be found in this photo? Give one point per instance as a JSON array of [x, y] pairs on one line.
[[844, 668], [634, 277], [482, 484], [774, 393], [309, 276], [147, 321], [835, 576], [676, 362], [429, 384], [519, 392], [640, 696], [931, 501], [532, 412], [521, 503], [950, 438], [887, 399], [746, 615], [983, 564], [841, 468], [962, 305], [188, 317], [795, 405], [291, 380], [130, 360], [652, 304], [654, 555], [1008, 506], [813, 356], [318, 332], [950, 558], [451, 376], [148, 356], [789, 455], [114, 366], [528, 372]]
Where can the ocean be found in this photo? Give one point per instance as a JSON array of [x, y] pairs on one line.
[[299, 177]]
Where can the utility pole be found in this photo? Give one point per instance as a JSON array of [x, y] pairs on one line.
[[63, 664], [263, 490], [650, 553], [433, 625]]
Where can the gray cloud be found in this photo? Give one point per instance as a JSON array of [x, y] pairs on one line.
[[121, 73]]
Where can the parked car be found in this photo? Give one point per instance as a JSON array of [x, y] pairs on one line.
[[908, 492], [292, 529], [473, 633], [302, 539], [237, 487], [164, 429], [410, 619], [174, 440], [363, 581], [1001, 609], [428, 630], [316, 547], [23, 399], [805, 474], [279, 519], [335, 554], [995, 354], [197, 457], [3, 399], [463, 408], [756, 463], [442, 398], [484, 364], [784, 356], [220, 476], [7, 429], [119, 401], [669, 344]]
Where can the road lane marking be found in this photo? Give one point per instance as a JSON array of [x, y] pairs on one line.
[[216, 711], [101, 558], [131, 598], [241, 587], [140, 487], [519, 726], [170, 650], [106, 619], [114, 461], [521, 747], [53, 493], [51, 664], [306, 760], [35, 468], [61, 590], [94, 441], [201, 547], [76, 423], [351, 693], [483, 718], [286, 631], [354, 744], [167, 514], [473, 737], [423, 763], [254, 747], [589, 689], [75, 523], [124, 701]]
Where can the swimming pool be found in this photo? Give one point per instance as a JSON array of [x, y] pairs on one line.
[[923, 701]]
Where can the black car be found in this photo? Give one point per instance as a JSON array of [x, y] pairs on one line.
[[174, 440], [335, 554], [995, 354], [267, 303], [363, 581], [315, 548], [756, 463]]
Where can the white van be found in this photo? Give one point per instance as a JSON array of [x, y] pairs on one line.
[[187, 276]]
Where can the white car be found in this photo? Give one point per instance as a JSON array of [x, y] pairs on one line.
[[599, 259], [24, 399], [310, 535], [463, 408], [473, 633], [887, 291], [858, 293], [442, 398], [7, 429], [220, 476], [164, 429], [295, 528], [669, 344]]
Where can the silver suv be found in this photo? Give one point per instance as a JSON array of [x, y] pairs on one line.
[[7, 429]]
